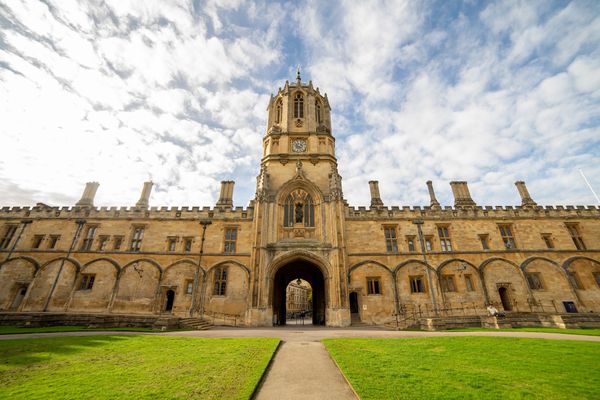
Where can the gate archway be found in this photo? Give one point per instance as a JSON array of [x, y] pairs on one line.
[[299, 269]]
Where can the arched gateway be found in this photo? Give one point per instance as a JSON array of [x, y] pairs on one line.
[[299, 269]]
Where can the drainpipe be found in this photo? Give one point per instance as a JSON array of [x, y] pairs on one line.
[[24, 223], [418, 223], [80, 223], [204, 223]]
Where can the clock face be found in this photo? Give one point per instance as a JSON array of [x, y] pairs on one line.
[[299, 146]]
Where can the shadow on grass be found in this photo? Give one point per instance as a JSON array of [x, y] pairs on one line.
[[22, 352]]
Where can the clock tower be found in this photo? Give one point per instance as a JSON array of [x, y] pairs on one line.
[[299, 129], [299, 209]]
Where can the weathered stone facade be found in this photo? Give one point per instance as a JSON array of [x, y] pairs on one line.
[[365, 261]]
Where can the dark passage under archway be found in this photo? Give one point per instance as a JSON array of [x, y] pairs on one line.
[[292, 271]]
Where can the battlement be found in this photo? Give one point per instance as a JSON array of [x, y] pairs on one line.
[[195, 212], [449, 212]]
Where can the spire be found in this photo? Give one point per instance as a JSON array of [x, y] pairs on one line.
[[298, 80]]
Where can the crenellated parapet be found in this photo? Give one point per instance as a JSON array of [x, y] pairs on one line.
[[479, 212], [158, 213]]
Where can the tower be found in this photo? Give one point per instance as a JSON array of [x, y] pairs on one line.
[[299, 208]]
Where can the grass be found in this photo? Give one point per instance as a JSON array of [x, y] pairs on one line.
[[132, 367], [575, 331], [7, 330], [469, 368]]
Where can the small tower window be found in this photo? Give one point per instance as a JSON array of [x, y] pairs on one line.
[[318, 111], [278, 112], [298, 106]]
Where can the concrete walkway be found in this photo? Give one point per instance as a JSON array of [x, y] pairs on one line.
[[304, 370]]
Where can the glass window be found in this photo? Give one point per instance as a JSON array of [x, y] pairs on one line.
[[230, 240], [88, 239], [576, 236], [485, 241], [187, 245], [52, 240], [220, 281], [9, 233], [469, 283], [444, 235], [189, 286], [534, 280], [417, 285], [298, 106], [391, 242], [448, 283], [547, 238], [87, 281], [507, 236], [37, 241], [428, 243], [102, 242], [171, 244], [136, 238], [410, 241], [574, 278], [117, 242], [373, 286]]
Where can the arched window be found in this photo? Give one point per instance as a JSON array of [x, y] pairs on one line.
[[298, 106], [318, 111], [278, 111], [298, 209]]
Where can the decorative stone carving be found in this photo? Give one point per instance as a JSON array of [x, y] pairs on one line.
[[335, 184], [262, 184]]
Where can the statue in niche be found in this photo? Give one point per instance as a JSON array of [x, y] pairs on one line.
[[299, 213]]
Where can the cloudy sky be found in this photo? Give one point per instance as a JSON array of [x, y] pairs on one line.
[[121, 92]]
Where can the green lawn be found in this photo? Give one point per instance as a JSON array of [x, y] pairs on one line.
[[132, 367], [589, 332], [6, 330], [469, 368]]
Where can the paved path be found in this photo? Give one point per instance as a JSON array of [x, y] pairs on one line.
[[308, 333], [298, 363]]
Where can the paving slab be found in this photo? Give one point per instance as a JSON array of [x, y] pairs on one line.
[[304, 370]]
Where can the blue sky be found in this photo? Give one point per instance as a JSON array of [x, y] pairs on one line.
[[120, 92]]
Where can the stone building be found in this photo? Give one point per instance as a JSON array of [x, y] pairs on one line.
[[368, 262], [297, 295]]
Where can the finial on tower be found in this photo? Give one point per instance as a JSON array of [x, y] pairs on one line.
[[298, 75]]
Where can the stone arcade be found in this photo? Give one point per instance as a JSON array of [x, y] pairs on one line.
[[363, 264]]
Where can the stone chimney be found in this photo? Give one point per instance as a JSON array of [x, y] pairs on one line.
[[526, 200], [143, 202], [375, 196], [226, 196], [87, 198], [462, 197], [433, 203]]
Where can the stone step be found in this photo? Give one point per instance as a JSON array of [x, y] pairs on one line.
[[198, 324]]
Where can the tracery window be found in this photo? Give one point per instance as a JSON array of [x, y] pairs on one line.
[[278, 111], [298, 106], [299, 209], [220, 281], [318, 111]]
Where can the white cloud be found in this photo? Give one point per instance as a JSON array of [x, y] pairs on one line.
[[126, 91]]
